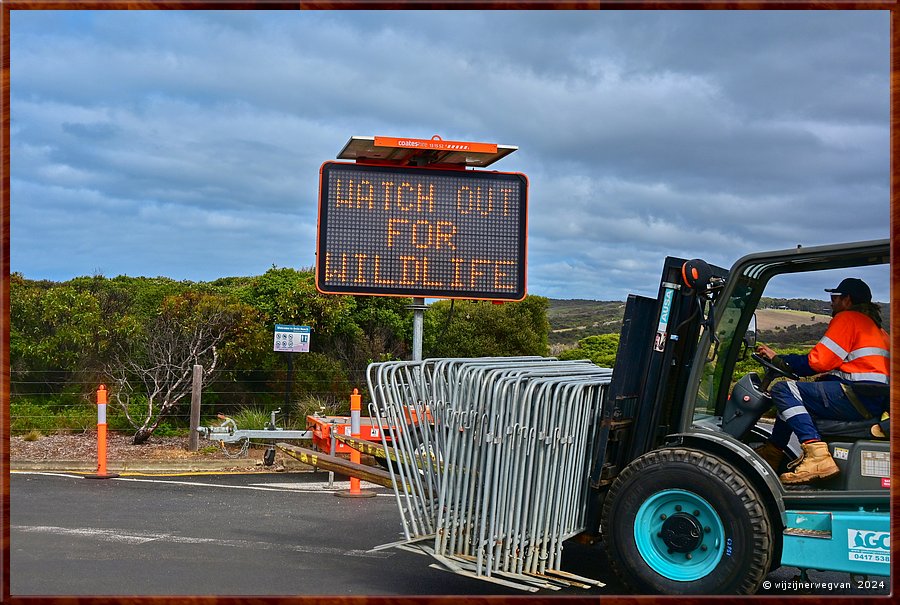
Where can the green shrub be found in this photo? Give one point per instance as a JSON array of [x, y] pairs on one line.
[[49, 416], [600, 349], [82, 418], [252, 418], [168, 428], [116, 420], [43, 416], [175, 426], [747, 364], [25, 416], [311, 404]]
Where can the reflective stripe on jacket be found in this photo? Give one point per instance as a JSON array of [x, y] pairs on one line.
[[853, 349]]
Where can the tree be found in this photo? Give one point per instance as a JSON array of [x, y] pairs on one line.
[[477, 329], [288, 296], [379, 329], [189, 329], [59, 334]]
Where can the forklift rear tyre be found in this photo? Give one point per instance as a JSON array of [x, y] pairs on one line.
[[684, 521]]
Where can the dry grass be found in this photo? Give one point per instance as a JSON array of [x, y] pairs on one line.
[[769, 319], [32, 435]]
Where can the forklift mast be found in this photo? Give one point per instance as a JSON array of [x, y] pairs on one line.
[[653, 363]]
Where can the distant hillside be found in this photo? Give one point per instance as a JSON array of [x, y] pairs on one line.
[[790, 327], [572, 320], [770, 319], [785, 322]]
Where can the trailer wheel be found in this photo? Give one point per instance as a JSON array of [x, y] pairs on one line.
[[415, 441], [386, 463], [684, 521], [269, 456]]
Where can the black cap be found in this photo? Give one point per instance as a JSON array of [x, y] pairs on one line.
[[855, 288]]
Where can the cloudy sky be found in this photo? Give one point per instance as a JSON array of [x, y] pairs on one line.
[[188, 144]]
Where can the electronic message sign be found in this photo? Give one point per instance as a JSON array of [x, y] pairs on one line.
[[422, 232]]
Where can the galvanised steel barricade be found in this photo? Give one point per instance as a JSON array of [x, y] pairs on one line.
[[490, 460]]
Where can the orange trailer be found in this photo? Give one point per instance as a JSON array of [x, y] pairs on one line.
[[322, 426]]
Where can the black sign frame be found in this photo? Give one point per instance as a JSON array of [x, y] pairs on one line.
[[497, 218]]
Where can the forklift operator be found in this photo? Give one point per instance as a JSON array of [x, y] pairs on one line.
[[855, 354]]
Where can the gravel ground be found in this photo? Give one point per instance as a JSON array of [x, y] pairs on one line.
[[83, 447]]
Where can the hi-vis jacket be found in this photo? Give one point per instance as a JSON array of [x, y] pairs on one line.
[[854, 349]]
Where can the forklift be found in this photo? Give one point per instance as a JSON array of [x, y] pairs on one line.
[[682, 502]]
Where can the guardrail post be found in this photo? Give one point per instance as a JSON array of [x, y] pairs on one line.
[[355, 407], [101, 436]]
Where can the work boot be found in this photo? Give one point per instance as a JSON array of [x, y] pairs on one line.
[[882, 430], [771, 453], [814, 463]]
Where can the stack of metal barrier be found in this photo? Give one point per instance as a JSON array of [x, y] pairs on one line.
[[490, 460]]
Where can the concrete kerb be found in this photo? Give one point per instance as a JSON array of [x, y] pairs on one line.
[[163, 466]]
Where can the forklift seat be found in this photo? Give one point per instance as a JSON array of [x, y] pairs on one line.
[[847, 429], [870, 428]]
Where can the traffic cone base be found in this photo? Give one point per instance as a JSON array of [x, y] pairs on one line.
[[351, 494]]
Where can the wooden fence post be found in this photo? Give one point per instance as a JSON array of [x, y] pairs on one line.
[[196, 388]]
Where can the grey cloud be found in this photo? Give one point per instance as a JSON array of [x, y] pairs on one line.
[[708, 133], [95, 132]]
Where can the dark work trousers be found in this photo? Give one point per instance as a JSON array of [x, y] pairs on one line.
[[799, 403]]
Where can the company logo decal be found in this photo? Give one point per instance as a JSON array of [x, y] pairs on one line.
[[874, 546]]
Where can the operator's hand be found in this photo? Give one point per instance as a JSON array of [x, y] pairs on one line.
[[766, 352]]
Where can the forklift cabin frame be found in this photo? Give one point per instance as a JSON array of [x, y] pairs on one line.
[[736, 307], [671, 374]]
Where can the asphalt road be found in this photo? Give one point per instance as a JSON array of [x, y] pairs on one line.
[[263, 534], [260, 534]]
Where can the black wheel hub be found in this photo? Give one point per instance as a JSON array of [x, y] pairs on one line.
[[682, 532]]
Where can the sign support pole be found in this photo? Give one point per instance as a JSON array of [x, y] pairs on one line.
[[291, 339], [290, 380], [418, 309]]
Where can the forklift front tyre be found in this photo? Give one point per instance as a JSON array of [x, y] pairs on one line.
[[684, 521]]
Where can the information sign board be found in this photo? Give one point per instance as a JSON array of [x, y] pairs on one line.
[[421, 232], [292, 339]]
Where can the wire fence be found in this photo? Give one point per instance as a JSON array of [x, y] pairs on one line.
[[51, 401]]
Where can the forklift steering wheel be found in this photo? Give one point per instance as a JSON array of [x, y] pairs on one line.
[[771, 367]]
